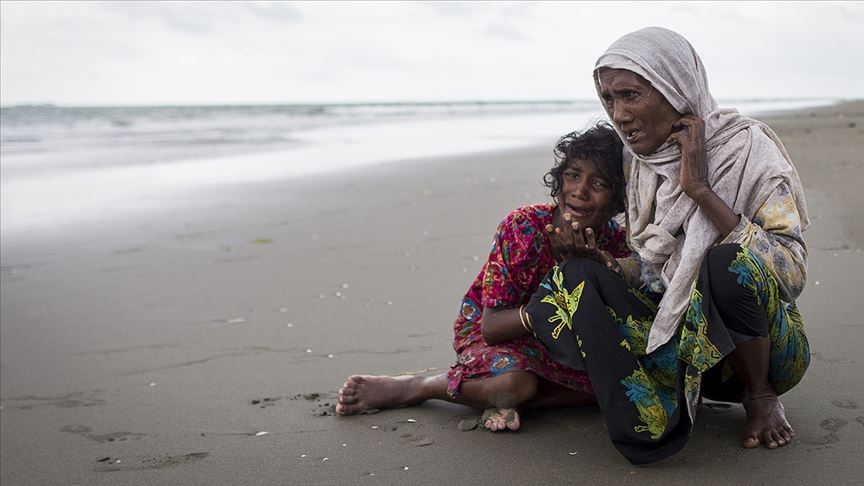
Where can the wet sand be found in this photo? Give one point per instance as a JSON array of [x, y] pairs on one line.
[[205, 344]]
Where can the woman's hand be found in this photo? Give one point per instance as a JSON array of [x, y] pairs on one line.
[[569, 241], [689, 135]]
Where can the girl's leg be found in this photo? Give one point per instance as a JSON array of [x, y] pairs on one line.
[[747, 323], [553, 395], [504, 392], [549, 395]]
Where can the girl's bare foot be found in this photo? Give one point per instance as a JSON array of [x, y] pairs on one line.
[[363, 392], [766, 423], [496, 419]]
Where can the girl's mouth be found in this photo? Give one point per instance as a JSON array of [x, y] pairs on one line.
[[579, 212]]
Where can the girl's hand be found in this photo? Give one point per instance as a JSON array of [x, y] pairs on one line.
[[690, 138], [570, 241]]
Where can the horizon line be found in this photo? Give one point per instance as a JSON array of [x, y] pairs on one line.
[[376, 103]]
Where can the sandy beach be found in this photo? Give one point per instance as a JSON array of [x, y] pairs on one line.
[[205, 344]]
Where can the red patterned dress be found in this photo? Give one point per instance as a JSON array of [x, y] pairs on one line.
[[520, 257]]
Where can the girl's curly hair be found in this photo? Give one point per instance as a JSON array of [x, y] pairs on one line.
[[601, 146]]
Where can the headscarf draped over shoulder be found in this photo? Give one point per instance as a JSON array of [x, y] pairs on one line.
[[746, 163]]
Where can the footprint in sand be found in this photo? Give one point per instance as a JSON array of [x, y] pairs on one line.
[[324, 408], [70, 400], [265, 402], [75, 429], [843, 403], [84, 431], [832, 425], [115, 436], [416, 440], [137, 463], [860, 420]]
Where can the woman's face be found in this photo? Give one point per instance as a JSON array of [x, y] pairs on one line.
[[642, 114], [586, 194]]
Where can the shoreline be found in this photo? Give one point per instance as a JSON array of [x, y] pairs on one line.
[[161, 340], [40, 190]]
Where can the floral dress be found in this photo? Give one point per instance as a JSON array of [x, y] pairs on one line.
[[519, 259]]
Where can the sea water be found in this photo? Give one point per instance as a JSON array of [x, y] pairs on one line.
[[63, 165]]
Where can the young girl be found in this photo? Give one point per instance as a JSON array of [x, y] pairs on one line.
[[500, 365]]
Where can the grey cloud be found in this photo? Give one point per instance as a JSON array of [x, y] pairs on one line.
[[274, 11], [192, 18], [506, 31], [455, 9]]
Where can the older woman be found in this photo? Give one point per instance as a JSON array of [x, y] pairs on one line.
[[715, 213]]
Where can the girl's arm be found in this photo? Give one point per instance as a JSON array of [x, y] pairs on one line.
[[503, 324]]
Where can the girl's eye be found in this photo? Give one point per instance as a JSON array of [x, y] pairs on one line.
[[601, 185], [571, 176]]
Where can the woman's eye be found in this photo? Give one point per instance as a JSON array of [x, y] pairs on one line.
[[608, 101]]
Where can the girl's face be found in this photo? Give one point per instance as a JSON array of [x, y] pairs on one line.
[[586, 193], [639, 111]]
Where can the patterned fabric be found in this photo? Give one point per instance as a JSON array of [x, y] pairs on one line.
[[520, 257], [649, 400], [774, 236]]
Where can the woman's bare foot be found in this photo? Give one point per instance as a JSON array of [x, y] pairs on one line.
[[364, 392], [496, 419], [766, 423]]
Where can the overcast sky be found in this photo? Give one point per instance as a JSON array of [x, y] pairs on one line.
[[104, 53]]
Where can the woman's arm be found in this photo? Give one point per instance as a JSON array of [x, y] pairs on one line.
[[694, 173], [775, 237], [502, 324], [775, 232]]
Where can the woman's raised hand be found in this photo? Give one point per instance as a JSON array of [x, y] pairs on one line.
[[689, 135], [570, 241]]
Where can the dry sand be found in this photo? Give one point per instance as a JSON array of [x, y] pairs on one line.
[[205, 345]]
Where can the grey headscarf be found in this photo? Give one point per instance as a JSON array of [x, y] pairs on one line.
[[746, 163]]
